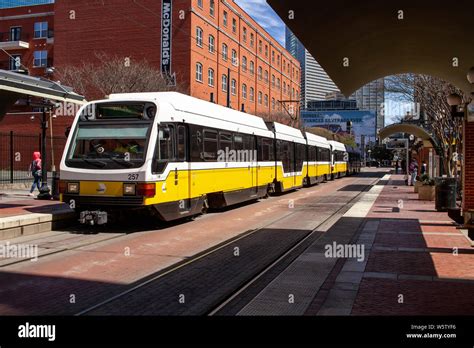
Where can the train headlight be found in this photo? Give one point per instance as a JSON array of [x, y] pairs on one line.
[[129, 189], [72, 187]]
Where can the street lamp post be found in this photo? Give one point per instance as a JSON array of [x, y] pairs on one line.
[[44, 191]]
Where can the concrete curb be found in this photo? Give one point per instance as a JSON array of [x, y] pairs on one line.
[[28, 224]]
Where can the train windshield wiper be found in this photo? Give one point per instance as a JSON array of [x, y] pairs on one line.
[[94, 162], [120, 161]]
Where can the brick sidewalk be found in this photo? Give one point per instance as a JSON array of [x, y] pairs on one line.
[[419, 263], [416, 263]]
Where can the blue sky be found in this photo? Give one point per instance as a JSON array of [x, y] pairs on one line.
[[266, 17]]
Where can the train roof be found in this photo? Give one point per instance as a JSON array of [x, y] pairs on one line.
[[287, 133], [337, 146], [203, 112], [316, 140]]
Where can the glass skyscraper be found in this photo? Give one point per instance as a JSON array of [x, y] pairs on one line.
[[317, 85]]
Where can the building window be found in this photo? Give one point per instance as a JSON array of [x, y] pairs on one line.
[[266, 99], [41, 30], [234, 57], [266, 76], [233, 86], [244, 34], [260, 46], [224, 83], [212, 41], [273, 103], [284, 87], [225, 18], [284, 65], [14, 62], [252, 40], [200, 3], [260, 72], [273, 56], [15, 33], [266, 50], [273, 81], [294, 94], [211, 8], [244, 63], [199, 72], [199, 37], [251, 94], [210, 77], [40, 59], [244, 91], [234, 25], [278, 60], [224, 51], [252, 67], [278, 83], [260, 98]]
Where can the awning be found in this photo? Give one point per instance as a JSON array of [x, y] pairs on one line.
[[382, 38], [15, 86]]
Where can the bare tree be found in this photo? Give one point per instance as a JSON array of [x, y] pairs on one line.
[[431, 92], [113, 75]]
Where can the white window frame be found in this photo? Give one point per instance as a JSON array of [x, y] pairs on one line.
[[198, 72]]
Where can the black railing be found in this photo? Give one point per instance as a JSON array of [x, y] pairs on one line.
[[16, 151]]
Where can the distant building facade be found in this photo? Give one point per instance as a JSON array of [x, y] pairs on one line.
[[315, 83]]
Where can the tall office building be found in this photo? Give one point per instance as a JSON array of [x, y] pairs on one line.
[[315, 83], [371, 97]]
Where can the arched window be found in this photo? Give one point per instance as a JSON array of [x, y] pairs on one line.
[[199, 72]]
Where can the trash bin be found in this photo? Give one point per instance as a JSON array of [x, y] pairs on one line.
[[446, 192]]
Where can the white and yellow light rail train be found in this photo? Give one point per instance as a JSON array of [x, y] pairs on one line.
[[174, 155]]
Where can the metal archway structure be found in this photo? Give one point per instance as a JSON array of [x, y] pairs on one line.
[[417, 131]]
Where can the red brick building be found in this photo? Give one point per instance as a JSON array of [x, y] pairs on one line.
[[215, 46], [209, 38]]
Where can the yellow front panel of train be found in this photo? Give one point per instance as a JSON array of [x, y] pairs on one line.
[[101, 188]]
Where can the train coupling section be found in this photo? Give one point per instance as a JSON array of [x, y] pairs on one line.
[[93, 217]]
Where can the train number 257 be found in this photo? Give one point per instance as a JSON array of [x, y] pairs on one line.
[[133, 177]]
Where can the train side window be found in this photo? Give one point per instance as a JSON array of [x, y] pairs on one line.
[[181, 143], [196, 143], [210, 145], [238, 142], [225, 141], [265, 149]]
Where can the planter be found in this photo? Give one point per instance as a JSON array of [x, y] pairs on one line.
[[417, 186], [426, 193], [446, 192]]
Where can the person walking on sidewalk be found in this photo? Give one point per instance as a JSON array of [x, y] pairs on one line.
[[413, 172], [35, 168]]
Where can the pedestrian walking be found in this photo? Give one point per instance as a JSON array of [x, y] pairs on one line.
[[413, 172], [35, 169]]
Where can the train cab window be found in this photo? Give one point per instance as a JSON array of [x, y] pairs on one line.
[[165, 149], [210, 145], [181, 143], [195, 133]]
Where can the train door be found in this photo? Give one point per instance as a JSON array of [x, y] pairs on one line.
[[254, 164], [182, 170], [293, 149]]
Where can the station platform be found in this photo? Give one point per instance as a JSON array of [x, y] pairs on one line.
[[417, 262], [21, 214]]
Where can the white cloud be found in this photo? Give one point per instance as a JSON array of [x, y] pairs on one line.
[[264, 15]]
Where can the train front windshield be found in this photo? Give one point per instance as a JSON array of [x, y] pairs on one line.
[[107, 146]]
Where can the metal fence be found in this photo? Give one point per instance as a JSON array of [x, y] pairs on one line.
[[16, 155]]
